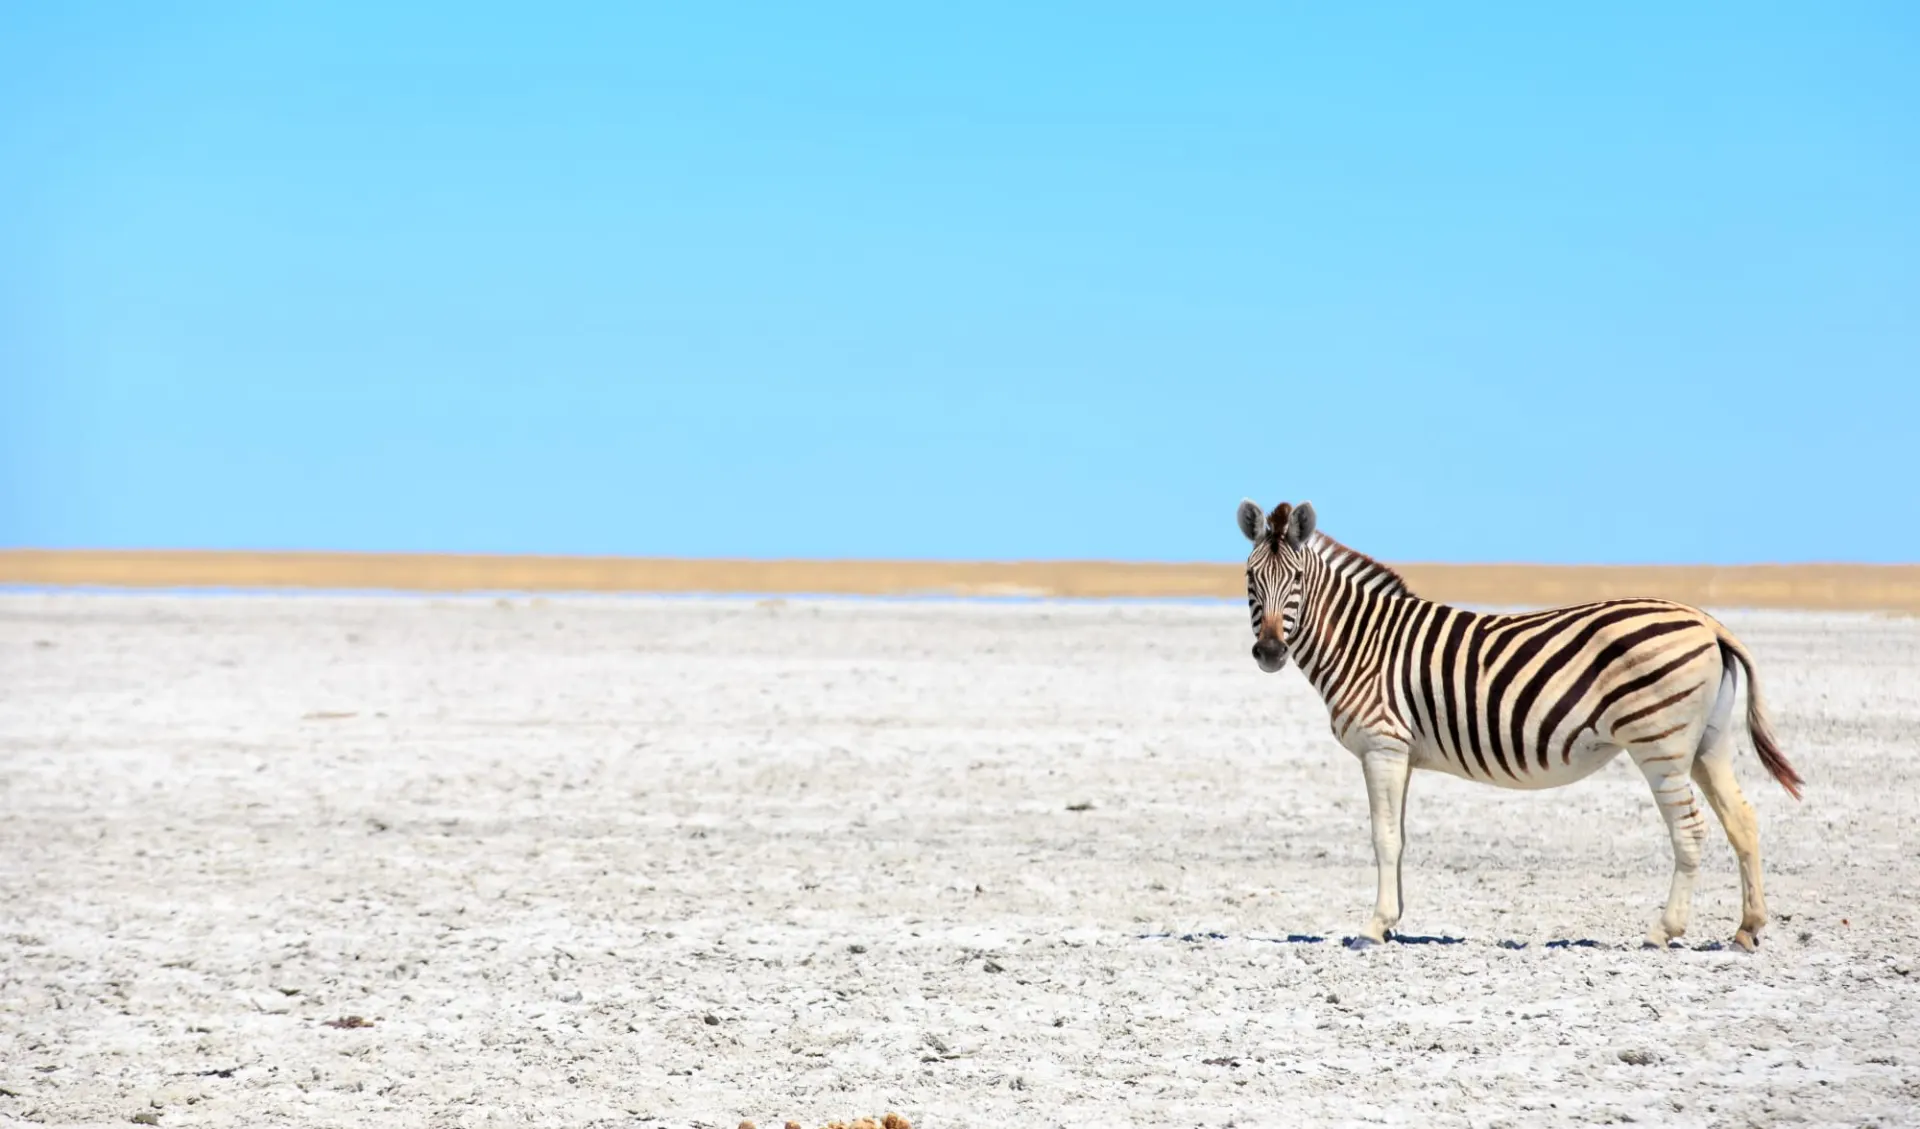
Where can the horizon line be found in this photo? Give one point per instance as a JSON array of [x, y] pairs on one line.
[[1831, 586]]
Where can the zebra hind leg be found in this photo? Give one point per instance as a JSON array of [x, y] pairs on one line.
[[1666, 765], [1713, 771]]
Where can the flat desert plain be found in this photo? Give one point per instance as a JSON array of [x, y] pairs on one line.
[[371, 861]]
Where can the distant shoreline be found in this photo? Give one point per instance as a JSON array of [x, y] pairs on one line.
[[1825, 587]]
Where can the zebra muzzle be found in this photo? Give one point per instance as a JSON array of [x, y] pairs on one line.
[[1270, 653]]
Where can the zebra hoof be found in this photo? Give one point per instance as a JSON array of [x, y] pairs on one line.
[[1747, 941], [1360, 943]]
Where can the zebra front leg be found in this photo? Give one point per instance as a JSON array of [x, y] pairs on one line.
[[1387, 770]]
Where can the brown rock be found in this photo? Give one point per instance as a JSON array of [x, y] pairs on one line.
[[895, 1121]]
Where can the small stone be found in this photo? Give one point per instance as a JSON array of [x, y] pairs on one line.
[[856, 948], [569, 997], [748, 1125], [992, 966], [1639, 1058], [711, 1020], [145, 1119], [1333, 999], [793, 1125], [895, 1121]]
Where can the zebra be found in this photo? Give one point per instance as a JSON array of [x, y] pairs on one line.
[[1535, 700]]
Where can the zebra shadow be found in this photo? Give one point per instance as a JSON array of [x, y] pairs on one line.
[[1416, 939]]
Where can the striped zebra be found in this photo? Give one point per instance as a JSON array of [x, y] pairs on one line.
[[1521, 701]]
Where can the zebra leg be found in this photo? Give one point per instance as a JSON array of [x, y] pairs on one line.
[[1713, 771], [1666, 766], [1387, 771]]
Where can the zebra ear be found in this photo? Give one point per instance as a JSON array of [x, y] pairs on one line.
[[1300, 524], [1253, 520]]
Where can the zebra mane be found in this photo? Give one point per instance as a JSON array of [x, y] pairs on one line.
[[1358, 567]]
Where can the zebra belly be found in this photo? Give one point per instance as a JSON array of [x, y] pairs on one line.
[[1589, 755]]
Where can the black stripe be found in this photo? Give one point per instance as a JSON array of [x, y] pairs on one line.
[[1475, 640], [1646, 711], [1608, 655], [1456, 630], [1523, 704], [1340, 623], [1511, 627], [1503, 679], [1632, 686], [1412, 680], [1398, 633], [1506, 630], [1430, 630], [1361, 629]]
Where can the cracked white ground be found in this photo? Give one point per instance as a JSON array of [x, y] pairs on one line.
[[679, 862]]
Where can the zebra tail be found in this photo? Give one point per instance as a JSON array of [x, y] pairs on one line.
[[1764, 742]]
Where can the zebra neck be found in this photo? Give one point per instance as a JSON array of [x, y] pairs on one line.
[[1341, 616], [1352, 564]]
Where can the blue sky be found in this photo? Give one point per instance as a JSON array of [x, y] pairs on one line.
[[1628, 283]]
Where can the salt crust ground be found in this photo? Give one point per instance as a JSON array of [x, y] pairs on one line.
[[680, 862]]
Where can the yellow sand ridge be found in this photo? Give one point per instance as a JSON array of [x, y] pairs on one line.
[[1860, 587]]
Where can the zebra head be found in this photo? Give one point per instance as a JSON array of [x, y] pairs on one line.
[[1273, 575]]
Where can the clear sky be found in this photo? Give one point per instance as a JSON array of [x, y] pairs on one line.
[[1627, 282]]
